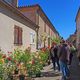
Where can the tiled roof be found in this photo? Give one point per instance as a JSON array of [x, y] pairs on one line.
[[37, 5], [14, 9]]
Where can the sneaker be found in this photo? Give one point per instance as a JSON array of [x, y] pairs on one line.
[[60, 72], [56, 71], [68, 78]]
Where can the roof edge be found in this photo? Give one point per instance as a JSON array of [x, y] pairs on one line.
[[77, 13], [39, 8], [18, 12]]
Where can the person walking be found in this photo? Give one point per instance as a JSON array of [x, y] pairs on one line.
[[54, 56], [78, 54], [63, 59], [72, 51]]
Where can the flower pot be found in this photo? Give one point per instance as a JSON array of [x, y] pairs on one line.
[[21, 77]]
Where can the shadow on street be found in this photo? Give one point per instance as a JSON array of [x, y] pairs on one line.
[[50, 74], [75, 69]]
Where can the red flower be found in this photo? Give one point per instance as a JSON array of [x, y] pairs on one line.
[[9, 58], [18, 64], [49, 47], [14, 61], [43, 49], [4, 56], [33, 62]]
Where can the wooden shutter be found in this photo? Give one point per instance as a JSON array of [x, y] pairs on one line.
[[15, 35], [20, 35]]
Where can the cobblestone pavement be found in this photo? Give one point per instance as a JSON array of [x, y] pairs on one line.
[[75, 69], [49, 74]]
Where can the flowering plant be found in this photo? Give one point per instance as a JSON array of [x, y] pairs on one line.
[[55, 40], [34, 65], [25, 60], [6, 66], [44, 55]]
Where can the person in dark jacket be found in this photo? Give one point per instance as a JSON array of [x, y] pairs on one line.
[[54, 56], [63, 59]]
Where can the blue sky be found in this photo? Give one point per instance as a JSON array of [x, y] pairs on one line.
[[61, 13]]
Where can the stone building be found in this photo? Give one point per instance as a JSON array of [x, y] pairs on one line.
[[46, 28], [22, 27], [78, 27], [16, 30], [72, 39]]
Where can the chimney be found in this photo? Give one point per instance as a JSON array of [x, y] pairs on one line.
[[15, 3]]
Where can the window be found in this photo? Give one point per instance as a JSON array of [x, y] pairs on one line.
[[17, 35], [32, 38]]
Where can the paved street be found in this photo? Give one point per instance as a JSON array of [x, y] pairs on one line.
[[49, 74], [75, 69]]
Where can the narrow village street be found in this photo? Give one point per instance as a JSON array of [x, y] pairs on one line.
[[39, 38], [49, 74]]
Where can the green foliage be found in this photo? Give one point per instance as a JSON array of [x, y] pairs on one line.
[[56, 40], [17, 54], [1, 72], [33, 62], [44, 56]]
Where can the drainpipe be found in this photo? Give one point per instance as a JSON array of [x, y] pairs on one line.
[[37, 29]]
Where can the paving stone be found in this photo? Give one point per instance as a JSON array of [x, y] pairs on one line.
[[49, 74]]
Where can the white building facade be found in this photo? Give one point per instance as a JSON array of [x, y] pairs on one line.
[[15, 29]]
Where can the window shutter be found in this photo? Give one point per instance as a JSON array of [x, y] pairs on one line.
[[20, 35], [15, 35]]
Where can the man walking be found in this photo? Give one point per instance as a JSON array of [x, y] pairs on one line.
[[63, 58]]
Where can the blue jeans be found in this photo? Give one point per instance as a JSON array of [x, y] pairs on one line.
[[64, 69]]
